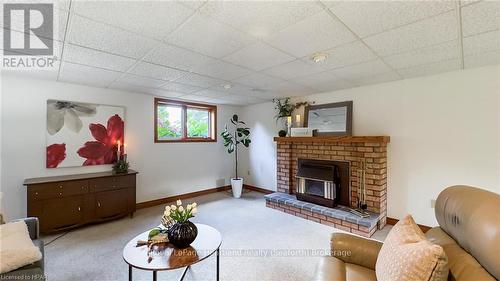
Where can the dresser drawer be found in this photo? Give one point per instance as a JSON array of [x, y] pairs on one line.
[[112, 183], [57, 189], [42, 191]]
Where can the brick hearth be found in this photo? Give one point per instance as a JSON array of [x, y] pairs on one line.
[[355, 150]]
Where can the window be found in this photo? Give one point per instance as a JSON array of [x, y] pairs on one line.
[[177, 121]]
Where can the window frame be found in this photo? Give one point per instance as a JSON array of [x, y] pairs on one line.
[[212, 126]]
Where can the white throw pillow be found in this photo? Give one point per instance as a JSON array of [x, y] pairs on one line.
[[16, 247]]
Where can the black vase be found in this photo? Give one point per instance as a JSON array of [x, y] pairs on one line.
[[182, 234]]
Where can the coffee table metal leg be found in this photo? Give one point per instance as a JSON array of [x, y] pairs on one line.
[[217, 264], [129, 273], [184, 273], [154, 275]]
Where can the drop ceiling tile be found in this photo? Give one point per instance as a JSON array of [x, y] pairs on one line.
[[370, 17], [482, 59], [194, 98], [236, 89], [197, 80], [156, 71], [77, 54], [430, 69], [150, 18], [257, 80], [324, 81], [376, 78], [289, 89], [141, 81], [176, 57], [260, 18], [193, 4], [180, 88], [481, 17], [46, 74], [424, 33], [426, 55], [362, 70], [87, 33], [211, 93], [347, 54], [205, 35], [315, 33], [166, 94], [484, 42], [222, 70], [258, 56], [294, 69], [82, 74]]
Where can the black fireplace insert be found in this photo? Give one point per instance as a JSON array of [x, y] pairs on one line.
[[323, 182]]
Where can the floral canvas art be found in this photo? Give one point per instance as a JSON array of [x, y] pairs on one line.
[[83, 134]]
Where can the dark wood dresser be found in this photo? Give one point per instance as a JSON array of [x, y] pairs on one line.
[[66, 202]]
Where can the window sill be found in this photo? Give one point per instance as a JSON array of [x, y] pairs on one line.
[[185, 140]]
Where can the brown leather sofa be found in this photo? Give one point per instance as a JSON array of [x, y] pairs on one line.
[[469, 232]]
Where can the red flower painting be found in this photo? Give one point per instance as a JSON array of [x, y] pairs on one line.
[[56, 153], [103, 149]]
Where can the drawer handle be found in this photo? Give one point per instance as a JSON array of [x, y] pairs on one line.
[[36, 193], [60, 186], [99, 204], [114, 186], [79, 209], [60, 193], [83, 187]]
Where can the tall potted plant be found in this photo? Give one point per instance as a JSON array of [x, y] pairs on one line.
[[240, 134]]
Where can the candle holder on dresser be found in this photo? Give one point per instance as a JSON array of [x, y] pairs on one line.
[[121, 165]]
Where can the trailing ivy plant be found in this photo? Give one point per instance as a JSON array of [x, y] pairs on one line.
[[235, 137]]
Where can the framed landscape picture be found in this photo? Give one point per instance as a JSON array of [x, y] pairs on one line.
[[333, 119], [83, 134]]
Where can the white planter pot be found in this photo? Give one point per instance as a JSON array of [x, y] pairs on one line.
[[237, 187]]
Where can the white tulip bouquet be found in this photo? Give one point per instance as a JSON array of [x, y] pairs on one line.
[[174, 214]]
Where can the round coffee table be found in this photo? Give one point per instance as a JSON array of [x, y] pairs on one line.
[[206, 244]]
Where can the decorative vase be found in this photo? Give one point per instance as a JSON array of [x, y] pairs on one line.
[[282, 133], [182, 234], [237, 187]]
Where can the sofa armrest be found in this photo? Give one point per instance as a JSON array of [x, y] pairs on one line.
[[354, 249], [32, 224]]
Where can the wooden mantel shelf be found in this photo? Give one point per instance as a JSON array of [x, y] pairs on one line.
[[372, 139]]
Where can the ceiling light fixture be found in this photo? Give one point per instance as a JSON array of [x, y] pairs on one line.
[[227, 86], [319, 57]]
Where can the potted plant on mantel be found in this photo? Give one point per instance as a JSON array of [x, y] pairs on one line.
[[284, 108], [231, 141]]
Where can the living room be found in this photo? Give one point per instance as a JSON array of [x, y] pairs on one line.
[[250, 140]]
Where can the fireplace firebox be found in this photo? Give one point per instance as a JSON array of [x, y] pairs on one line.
[[323, 182]]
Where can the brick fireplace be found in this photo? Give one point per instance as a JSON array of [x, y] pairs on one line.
[[355, 150]]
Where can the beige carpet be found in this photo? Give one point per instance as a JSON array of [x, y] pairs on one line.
[[95, 252]]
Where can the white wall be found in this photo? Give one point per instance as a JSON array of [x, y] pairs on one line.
[[165, 169], [444, 129]]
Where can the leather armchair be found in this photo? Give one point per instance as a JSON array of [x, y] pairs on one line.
[[34, 271], [468, 231]]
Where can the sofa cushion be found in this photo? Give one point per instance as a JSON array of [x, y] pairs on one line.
[[407, 255], [16, 249], [331, 268], [463, 266], [471, 217]]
